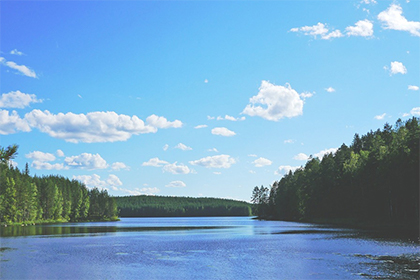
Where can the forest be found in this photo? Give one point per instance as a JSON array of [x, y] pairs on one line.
[[374, 180], [164, 206], [27, 199]]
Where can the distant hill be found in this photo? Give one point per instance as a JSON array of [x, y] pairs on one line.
[[165, 206]]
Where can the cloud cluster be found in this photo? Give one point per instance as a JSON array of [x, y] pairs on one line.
[[230, 118], [285, 169], [88, 128], [275, 102], [17, 99], [363, 28], [173, 168], [397, 68], [183, 147], [393, 19], [176, 184], [94, 181], [219, 161], [411, 87]]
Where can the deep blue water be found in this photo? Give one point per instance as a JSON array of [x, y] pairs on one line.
[[202, 248]]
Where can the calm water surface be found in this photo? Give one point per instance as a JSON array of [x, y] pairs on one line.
[[202, 248]]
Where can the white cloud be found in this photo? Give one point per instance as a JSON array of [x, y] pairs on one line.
[[16, 52], [166, 147], [210, 118], [305, 95], [217, 173], [252, 155], [322, 153], [175, 168], [60, 153], [119, 166], [20, 68], [42, 165], [260, 162], [213, 150], [17, 99], [200, 126], [142, 191], [95, 126], [40, 156], [301, 156], [318, 30], [397, 67], [223, 131], [12, 123], [330, 89], [285, 169], [278, 101], [362, 28], [230, 118], [289, 141], [176, 184], [162, 122], [206, 81], [86, 161], [219, 161], [183, 147], [413, 87], [380, 117], [155, 162], [92, 181], [414, 112], [393, 19], [368, 1]]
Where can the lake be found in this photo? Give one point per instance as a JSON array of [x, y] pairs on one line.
[[202, 248]]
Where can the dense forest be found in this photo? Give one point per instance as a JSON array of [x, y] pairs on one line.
[[25, 199], [375, 179], [164, 206]]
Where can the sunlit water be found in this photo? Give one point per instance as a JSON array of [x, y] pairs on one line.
[[202, 248]]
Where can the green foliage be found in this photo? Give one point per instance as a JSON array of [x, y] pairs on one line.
[[53, 198], [163, 206], [375, 179]]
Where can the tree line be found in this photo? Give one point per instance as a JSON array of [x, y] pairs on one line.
[[376, 178], [165, 206], [24, 198]]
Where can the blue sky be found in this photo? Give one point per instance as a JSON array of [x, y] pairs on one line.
[[199, 98]]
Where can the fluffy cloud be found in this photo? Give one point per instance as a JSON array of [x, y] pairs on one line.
[[22, 69], [330, 89], [162, 122], [40, 156], [175, 168], [380, 117], [12, 123], [260, 162], [60, 153], [42, 165], [397, 67], [285, 169], [92, 181], [155, 162], [166, 147], [95, 126], [278, 102], [322, 153], [318, 30], [223, 131], [213, 150], [393, 19], [183, 147], [414, 112], [17, 99], [413, 87], [176, 184], [362, 28], [86, 161], [119, 166], [219, 161], [301, 156]]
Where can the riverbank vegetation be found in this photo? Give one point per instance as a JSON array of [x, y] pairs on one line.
[[374, 181], [25, 199], [164, 206]]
